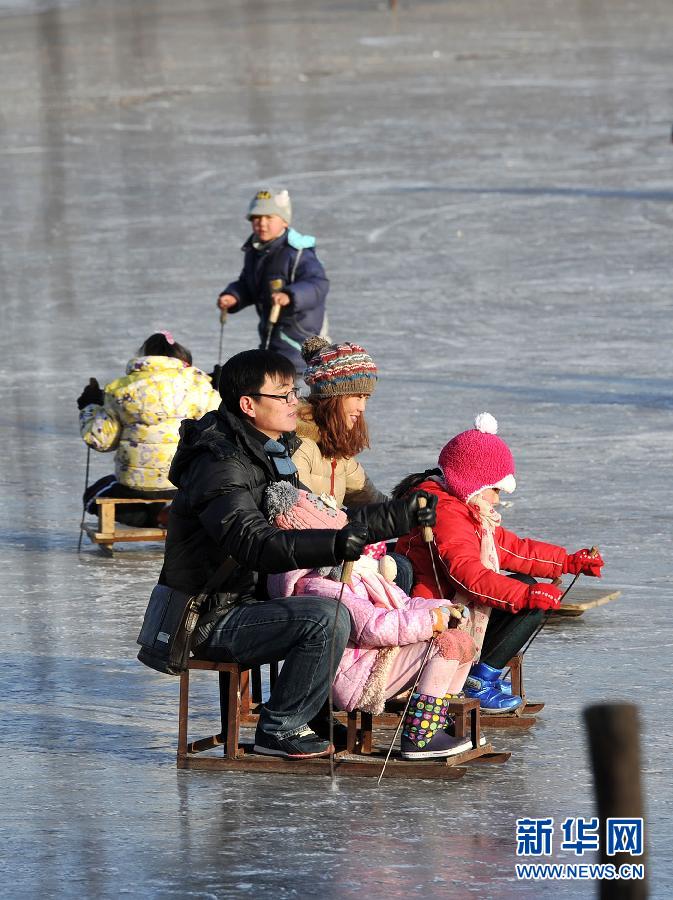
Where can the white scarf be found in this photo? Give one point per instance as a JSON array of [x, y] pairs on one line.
[[479, 613]]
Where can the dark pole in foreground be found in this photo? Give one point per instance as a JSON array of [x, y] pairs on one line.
[[614, 749]]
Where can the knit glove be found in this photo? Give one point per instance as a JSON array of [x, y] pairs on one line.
[[544, 596], [448, 617], [92, 393], [584, 562], [350, 541], [422, 517]]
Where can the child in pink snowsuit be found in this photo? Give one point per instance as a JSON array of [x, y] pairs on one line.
[[390, 632]]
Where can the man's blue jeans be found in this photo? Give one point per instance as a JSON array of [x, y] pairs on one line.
[[297, 630]]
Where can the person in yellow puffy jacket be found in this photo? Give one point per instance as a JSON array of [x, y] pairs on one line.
[[138, 416]]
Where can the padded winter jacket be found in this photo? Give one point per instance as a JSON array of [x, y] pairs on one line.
[[458, 557], [291, 258], [221, 471], [141, 415], [345, 479], [372, 629]]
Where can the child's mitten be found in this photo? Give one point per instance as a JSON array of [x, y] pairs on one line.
[[544, 596], [584, 562]]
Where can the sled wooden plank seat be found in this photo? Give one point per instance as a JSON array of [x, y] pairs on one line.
[[234, 683], [581, 598], [108, 532]]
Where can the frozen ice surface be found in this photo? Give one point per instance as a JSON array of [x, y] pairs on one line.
[[490, 184]]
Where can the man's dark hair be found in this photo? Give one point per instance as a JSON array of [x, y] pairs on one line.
[[245, 372]]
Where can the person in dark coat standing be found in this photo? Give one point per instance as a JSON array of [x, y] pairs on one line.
[[222, 466], [280, 268]]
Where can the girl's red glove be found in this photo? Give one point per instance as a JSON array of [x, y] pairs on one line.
[[584, 562], [544, 596]]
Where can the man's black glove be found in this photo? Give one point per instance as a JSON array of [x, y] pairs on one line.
[[92, 393], [425, 517], [350, 541]]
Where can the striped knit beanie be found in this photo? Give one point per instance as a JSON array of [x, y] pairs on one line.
[[334, 370]]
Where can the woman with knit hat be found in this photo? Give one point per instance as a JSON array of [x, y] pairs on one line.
[[471, 549], [390, 631], [331, 424]]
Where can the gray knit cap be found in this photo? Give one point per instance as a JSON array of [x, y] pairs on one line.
[[271, 202]]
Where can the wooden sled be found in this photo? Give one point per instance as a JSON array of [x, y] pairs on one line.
[[361, 757], [107, 532], [581, 598]]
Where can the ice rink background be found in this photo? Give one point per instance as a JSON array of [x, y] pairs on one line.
[[490, 187]]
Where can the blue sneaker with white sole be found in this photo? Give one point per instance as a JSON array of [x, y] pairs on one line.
[[484, 684]]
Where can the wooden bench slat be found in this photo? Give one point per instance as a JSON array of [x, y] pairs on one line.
[[108, 532]]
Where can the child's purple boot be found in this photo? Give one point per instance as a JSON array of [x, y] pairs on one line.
[[424, 735]]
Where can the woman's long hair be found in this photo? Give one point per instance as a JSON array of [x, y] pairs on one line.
[[336, 440]]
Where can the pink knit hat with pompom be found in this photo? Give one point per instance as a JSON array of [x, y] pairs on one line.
[[476, 459]]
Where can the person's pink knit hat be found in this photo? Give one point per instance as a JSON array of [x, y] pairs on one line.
[[290, 507], [476, 459]]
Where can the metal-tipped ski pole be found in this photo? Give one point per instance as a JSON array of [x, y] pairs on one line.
[[592, 552], [86, 485], [218, 368], [545, 618], [346, 572], [271, 322], [406, 709], [539, 628], [223, 322], [275, 285]]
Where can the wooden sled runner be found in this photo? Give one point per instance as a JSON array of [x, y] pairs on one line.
[[361, 757], [107, 532]]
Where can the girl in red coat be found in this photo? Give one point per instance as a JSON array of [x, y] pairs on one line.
[[471, 549]]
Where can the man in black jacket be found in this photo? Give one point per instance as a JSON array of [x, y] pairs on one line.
[[222, 466]]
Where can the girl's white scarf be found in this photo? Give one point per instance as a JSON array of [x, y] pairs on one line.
[[489, 520]]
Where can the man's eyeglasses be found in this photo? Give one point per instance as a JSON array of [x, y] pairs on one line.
[[288, 398]]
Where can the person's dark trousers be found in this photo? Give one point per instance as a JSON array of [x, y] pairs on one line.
[[507, 633], [405, 572], [297, 630]]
